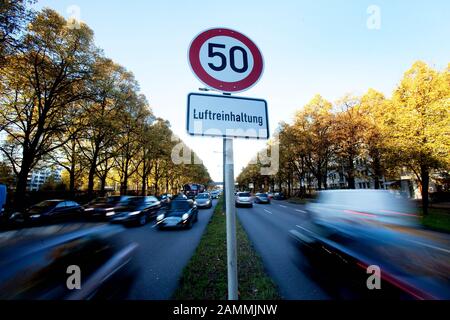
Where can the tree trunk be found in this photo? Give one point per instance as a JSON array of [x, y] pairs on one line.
[[124, 188], [319, 181], [72, 181], [351, 174], [377, 170], [91, 177], [425, 177], [103, 184], [21, 188], [289, 185], [144, 179]]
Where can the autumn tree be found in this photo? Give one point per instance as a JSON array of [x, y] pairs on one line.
[[373, 106], [418, 123], [42, 82], [14, 14]]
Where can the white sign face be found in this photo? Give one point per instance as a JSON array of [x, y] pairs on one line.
[[240, 61], [226, 116]]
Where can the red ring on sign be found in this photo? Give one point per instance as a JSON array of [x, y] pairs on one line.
[[197, 68]]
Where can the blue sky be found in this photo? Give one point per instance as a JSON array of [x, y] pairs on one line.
[[309, 47]]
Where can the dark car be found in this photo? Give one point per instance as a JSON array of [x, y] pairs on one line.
[[138, 210], [36, 263], [106, 208], [262, 198], [48, 211], [203, 200], [279, 196], [180, 214], [180, 196], [362, 228]]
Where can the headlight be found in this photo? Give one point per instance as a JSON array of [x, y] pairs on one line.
[[111, 213], [134, 213], [14, 215], [185, 216], [35, 216], [160, 217]]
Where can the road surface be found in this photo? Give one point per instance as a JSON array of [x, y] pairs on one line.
[[162, 256], [268, 228]]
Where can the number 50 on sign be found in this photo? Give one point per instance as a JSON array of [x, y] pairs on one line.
[[225, 60]]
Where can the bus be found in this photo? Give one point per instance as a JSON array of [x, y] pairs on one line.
[[193, 189]]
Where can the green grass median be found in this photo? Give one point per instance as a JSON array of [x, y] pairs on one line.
[[205, 277], [437, 219]]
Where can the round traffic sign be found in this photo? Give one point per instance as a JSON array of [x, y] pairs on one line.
[[225, 60]]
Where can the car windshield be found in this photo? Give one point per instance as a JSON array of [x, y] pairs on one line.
[[98, 201], [46, 204], [114, 199], [243, 194], [202, 196], [137, 201], [179, 206], [263, 195]]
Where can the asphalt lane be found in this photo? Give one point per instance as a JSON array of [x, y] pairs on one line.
[[162, 255], [268, 228]]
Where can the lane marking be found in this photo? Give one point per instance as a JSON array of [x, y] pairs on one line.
[[301, 211], [282, 206], [268, 211], [430, 246], [300, 227]]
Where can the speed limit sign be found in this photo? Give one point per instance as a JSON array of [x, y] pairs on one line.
[[225, 60]]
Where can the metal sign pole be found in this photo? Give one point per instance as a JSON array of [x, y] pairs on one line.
[[231, 221], [224, 160]]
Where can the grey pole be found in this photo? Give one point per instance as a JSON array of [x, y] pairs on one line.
[[224, 160], [231, 221]]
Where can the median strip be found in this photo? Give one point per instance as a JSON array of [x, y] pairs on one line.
[[205, 276]]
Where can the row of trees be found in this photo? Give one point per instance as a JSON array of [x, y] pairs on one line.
[[63, 102], [409, 131]]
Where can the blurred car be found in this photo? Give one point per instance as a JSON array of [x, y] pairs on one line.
[[203, 200], [180, 214], [270, 195], [48, 211], [34, 263], [262, 198], [362, 228], [165, 199], [138, 210], [243, 199], [106, 208], [279, 196], [180, 196]]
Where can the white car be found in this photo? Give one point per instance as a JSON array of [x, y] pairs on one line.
[[243, 199]]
